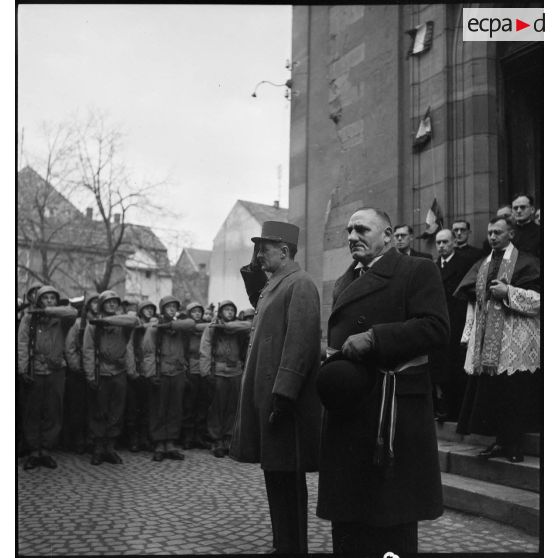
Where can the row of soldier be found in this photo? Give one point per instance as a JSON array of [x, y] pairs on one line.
[[111, 375]]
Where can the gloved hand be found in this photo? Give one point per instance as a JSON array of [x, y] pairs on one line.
[[281, 408], [98, 322], [27, 379], [164, 325], [36, 311], [359, 345], [254, 265], [155, 381]]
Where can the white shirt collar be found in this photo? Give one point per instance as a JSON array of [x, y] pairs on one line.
[[360, 264], [446, 260]]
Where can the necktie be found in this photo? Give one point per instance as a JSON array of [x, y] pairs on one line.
[[443, 263]]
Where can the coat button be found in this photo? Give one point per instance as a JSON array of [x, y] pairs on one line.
[[261, 296], [361, 320]]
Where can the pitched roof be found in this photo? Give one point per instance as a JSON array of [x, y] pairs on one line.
[[141, 236], [69, 228], [263, 212], [200, 256], [191, 258]]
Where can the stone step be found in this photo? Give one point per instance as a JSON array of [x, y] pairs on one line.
[[446, 431], [505, 504], [459, 458]]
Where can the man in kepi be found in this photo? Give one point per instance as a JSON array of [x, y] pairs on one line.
[[379, 470], [278, 420]]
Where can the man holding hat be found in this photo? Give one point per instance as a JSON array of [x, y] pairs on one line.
[[278, 420], [379, 470]]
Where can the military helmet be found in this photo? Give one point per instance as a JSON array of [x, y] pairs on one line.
[[108, 295], [47, 289], [167, 300], [228, 303]]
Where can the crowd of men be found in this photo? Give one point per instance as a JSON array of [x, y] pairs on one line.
[[409, 341], [94, 374]]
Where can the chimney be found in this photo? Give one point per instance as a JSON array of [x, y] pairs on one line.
[[117, 218], [89, 213], [276, 204]]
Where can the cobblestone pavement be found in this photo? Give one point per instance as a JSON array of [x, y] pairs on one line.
[[202, 505]]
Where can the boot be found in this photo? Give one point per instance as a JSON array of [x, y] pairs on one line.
[[171, 452], [110, 455]]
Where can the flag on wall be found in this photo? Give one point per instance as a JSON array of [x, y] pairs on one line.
[[421, 37], [424, 132], [434, 221]]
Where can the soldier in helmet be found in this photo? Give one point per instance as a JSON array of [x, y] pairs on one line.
[[107, 359], [42, 366], [22, 308], [196, 394], [76, 386], [164, 365], [220, 359], [137, 408]]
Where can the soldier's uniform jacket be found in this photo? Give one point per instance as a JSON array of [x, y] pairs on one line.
[[173, 359], [116, 354], [51, 331], [220, 349]]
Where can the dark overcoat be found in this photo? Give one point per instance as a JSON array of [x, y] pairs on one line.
[[446, 362], [283, 358], [402, 300]]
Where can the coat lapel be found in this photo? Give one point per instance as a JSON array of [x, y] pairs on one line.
[[373, 280]]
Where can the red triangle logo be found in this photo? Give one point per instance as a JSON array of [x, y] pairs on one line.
[[519, 25]]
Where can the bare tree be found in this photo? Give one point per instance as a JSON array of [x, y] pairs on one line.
[[102, 175], [44, 213], [84, 160]]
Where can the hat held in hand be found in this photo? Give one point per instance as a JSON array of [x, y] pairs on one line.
[[342, 384]]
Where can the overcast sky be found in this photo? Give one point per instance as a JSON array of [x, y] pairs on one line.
[[179, 80]]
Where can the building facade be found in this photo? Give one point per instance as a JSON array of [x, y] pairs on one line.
[[358, 98]]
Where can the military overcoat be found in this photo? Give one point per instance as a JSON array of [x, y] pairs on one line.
[[283, 358]]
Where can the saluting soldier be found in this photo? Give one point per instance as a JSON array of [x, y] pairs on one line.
[[220, 360], [42, 367], [196, 394], [107, 358], [164, 365], [76, 386], [137, 397]]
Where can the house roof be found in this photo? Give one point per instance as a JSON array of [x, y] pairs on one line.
[[69, 228], [263, 212], [191, 258]]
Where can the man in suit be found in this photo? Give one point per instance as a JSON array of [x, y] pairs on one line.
[[447, 371], [527, 233], [404, 236], [379, 470], [461, 230]]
